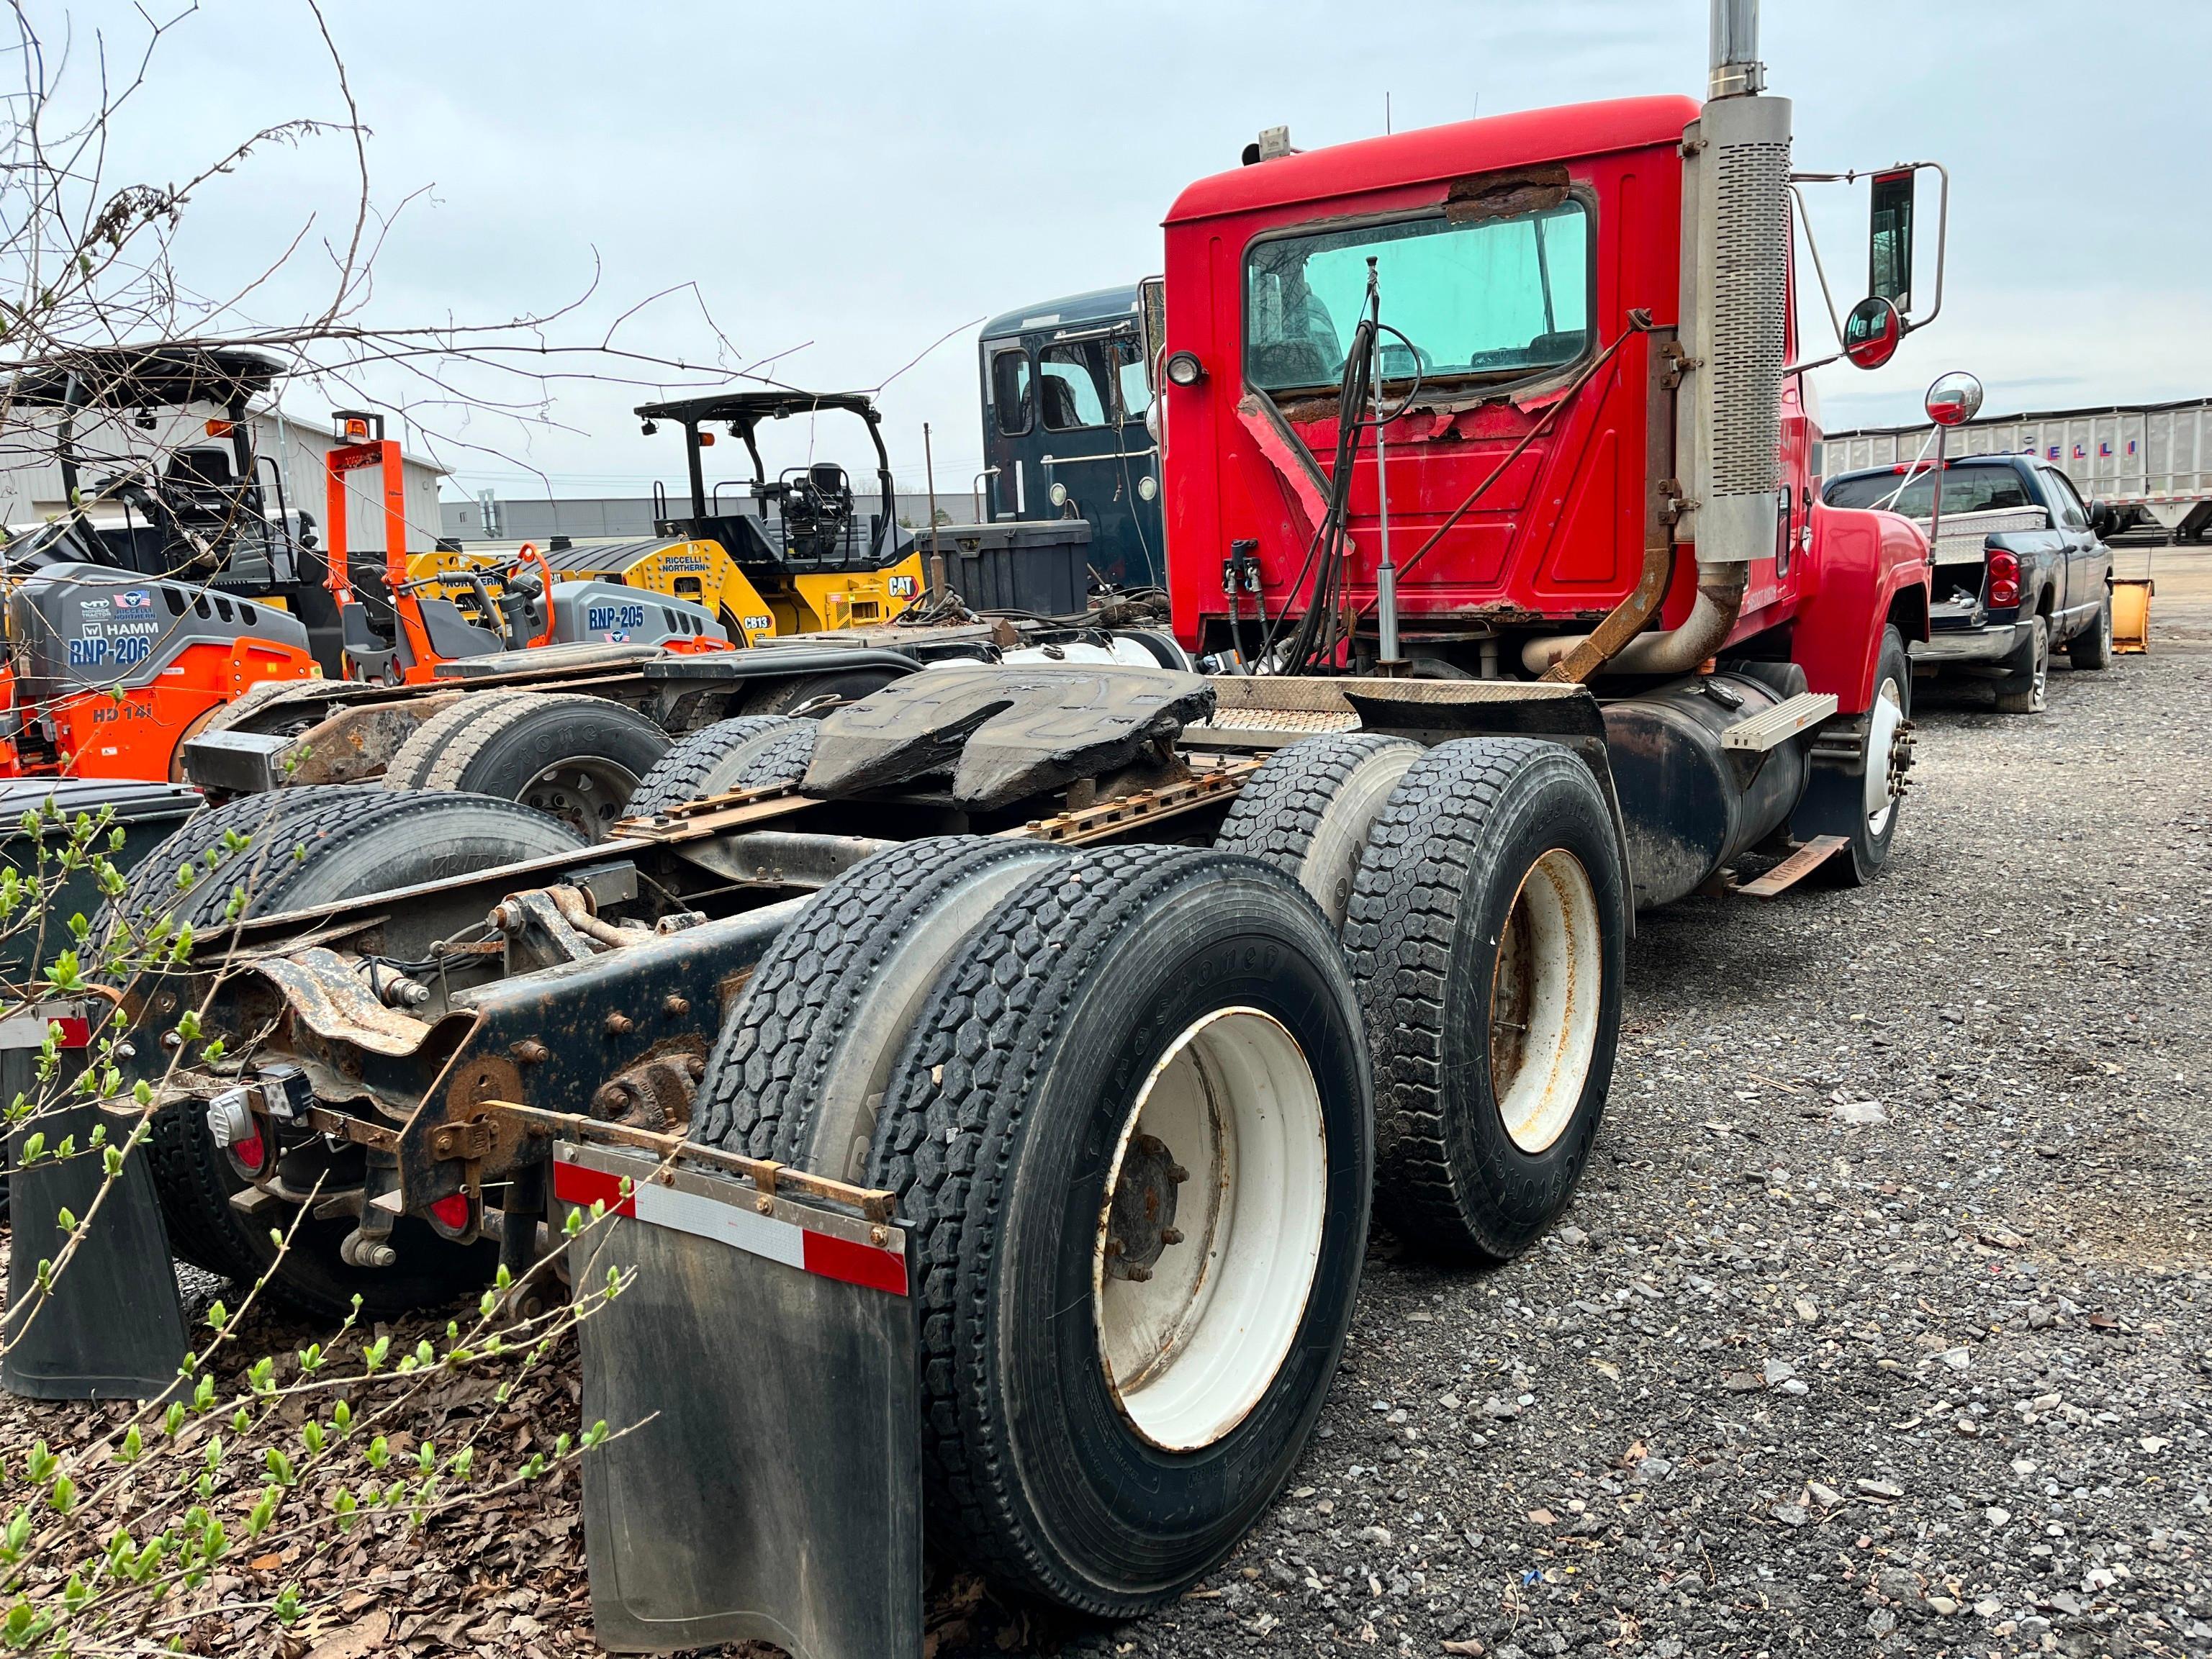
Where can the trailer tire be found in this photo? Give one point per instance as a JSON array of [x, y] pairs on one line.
[[703, 763], [1491, 880], [1181, 990], [801, 1066], [789, 696], [1309, 809], [354, 841], [1837, 802], [574, 757], [2091, 649]]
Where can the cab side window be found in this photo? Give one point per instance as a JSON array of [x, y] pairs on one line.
[[1073, 387], [1010, 390], [1132, 377], [2071, 513]]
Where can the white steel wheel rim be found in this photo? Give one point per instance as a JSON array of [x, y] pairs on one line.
[[1189, 1352], [1882, 756], [1544, 1001]]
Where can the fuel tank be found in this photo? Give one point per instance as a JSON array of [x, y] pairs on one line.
[[1689, 805]]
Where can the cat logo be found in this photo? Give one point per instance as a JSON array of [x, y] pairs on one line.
[[902, 588]]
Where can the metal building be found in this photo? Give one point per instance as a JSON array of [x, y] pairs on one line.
[[31, 478]]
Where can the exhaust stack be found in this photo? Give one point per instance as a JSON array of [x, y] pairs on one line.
[[1735, 246], [1728, 420]]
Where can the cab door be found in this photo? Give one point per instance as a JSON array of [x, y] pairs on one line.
[[2085, 557], [1096, 461]]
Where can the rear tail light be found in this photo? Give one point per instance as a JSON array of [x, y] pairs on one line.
[[231, 1122], [2004, 580], [451, 1213]]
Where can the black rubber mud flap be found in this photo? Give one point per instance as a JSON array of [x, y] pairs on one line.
[[111, 1326], [770, 1489]]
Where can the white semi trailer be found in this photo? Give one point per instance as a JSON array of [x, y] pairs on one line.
[[2149, 461]]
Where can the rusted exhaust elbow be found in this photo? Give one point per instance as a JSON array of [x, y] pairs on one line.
[[1677, 651]]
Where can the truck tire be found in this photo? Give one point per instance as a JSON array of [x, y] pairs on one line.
[[2027, 690], [1861, 805], [703, 763], [783, 760], [311, 694], [1309, 809], [1108, 1403], [306, 847], [800, 1069], [1492, 888], [2091, 649], [789, 696], [411, 763], [571, 757]]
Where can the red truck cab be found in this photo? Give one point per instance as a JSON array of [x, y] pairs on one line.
[[1533, 290]]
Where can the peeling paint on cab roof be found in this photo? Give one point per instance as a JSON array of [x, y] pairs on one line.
[[1428, 154]]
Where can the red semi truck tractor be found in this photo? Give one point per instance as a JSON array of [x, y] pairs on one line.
[[1003, 1066], [1522, 397]]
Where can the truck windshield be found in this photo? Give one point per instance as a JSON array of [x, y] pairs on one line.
[[1965, 489], [1496, 299]]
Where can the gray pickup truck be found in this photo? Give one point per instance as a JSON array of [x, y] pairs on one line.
[[2021, 568]]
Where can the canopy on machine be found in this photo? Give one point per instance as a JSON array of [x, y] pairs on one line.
[[147, 377]]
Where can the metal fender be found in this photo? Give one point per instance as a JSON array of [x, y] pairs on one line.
[[1866, 569]]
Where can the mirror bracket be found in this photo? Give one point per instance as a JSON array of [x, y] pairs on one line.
[[1907, 322]]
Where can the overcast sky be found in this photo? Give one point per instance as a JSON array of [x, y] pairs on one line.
[[847, 183]]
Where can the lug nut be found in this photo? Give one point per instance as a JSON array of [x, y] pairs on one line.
[[530, 1051], [1170, 1235], [675, 1006], [620, 1024], [1177, 1174], [1138, 1275]]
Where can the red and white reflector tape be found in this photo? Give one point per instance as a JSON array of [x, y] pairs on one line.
[[29, 1030], [871, 1266]]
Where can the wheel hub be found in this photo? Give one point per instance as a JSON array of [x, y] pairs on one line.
[[588, 798], [1141, 1225], [1888, 753], [1900, 758]]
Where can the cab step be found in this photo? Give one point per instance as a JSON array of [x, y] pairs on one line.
[[1792, 869], [1774, 727]]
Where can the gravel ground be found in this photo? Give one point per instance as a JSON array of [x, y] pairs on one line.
[[1878, 1325]]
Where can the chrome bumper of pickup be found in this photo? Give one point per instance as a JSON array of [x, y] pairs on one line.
[[1969, 644]]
